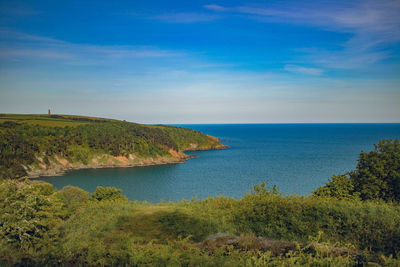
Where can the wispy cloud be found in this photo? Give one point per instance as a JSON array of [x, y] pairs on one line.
[[303, 70], [9, 35], [186, 17], [361, 17], [373, 26], [216, 7], [19, 54], [20, 46], [348, 58]]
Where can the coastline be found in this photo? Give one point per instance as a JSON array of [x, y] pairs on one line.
[[59, 165]]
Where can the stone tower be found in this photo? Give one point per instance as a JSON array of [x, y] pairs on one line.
[[49, 113]]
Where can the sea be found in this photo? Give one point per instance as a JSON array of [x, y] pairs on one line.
[[297, 158]]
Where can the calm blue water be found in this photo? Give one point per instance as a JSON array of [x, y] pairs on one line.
[[296, 157]]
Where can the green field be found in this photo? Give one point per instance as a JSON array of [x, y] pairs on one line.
[[50, 120]]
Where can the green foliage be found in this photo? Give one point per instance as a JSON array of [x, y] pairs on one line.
[[377, 175], [23, 144], [38, 227], [186, 138], [78, 153], [339, 187], [108, 193], [369, 225], [74, 195], [180, 224], [29, 210], [262, 190]]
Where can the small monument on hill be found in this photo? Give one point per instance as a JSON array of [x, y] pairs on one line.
[[49, 113]]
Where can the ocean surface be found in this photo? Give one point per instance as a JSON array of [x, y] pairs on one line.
[[296, 157]]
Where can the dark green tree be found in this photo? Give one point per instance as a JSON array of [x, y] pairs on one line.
[[108, 193], [377, 175]]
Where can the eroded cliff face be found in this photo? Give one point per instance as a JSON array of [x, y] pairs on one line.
[[58, 165]]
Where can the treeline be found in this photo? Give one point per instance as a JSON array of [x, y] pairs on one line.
[[21, 143]]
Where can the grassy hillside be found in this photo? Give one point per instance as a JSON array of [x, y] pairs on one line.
[[42, 226], [39, 144]]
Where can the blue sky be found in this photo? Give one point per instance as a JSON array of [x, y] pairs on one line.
[[203, 61]]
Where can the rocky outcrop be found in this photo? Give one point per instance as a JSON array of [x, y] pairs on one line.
[[196, 147]]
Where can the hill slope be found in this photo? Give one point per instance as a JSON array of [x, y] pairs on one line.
[[36, 145]]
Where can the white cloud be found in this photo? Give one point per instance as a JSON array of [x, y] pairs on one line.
[[303, 70], [185, 17], [216, 7]]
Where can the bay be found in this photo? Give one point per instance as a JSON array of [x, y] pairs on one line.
[[296, 157]]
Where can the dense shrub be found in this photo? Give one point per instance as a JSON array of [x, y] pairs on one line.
[[367, 225], [29, 210], [339, 187], [38, 227], [179, 224], [74, 195], [108, 193]]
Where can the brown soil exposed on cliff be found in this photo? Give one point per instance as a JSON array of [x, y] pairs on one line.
[[59, 165]]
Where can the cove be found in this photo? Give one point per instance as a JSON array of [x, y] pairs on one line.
[[296, 157]]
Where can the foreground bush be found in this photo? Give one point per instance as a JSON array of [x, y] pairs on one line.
[[108, 193], [42, 226], [373, 226], [28, 212]]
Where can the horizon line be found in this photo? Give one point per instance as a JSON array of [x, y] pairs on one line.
[[203, 123]]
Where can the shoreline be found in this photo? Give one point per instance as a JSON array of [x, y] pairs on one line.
[[122, 162], [222, 146], [63, 171]]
